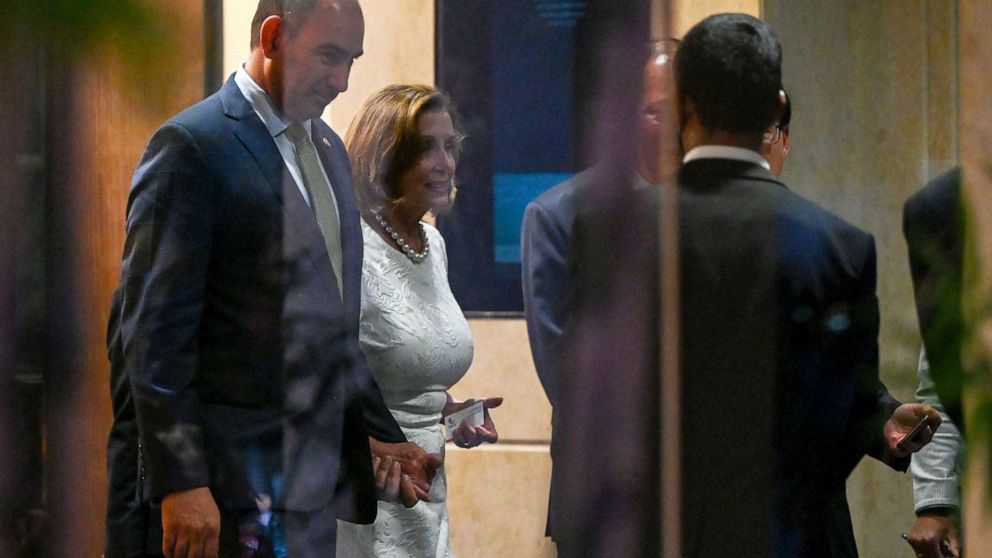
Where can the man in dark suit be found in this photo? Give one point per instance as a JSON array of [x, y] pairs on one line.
[[547, 226], [778, 350], [240, 289], [933, 226], [547, 221]]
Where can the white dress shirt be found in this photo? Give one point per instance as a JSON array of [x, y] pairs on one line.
[[276, 125], [726, 152]]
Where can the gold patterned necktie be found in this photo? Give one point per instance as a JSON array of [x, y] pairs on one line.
[[321, 197]]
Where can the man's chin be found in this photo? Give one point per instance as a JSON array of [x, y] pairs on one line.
[[314, 110]]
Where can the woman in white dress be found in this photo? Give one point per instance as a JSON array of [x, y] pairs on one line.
[[403, 148]]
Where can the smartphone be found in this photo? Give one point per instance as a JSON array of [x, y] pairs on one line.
[[913, 433]]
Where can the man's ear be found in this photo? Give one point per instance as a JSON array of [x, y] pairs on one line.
[[785, 141], [780, 106], [271, 36]]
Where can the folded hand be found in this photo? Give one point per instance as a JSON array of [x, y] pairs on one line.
[[414, 463]]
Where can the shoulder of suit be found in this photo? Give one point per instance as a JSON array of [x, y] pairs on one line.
[[938, 196], [564, 197], [206, 111], [204, 121], [811, 215]]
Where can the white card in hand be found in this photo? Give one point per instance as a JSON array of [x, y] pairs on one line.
[[472, 415]]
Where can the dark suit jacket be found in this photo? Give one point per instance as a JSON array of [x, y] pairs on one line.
[[242, 356], [779, 359], [932, 223], [132, 528], [544, 248]]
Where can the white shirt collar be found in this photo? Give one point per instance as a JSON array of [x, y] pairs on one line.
[[260, 101], [726, 152]]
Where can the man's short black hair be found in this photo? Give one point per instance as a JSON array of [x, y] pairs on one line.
[[291, 11], [730, 67]]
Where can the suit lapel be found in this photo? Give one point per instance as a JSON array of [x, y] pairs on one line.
[[297, 215], [253, 135]]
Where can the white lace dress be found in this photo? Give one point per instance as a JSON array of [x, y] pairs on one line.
[[418, 345]]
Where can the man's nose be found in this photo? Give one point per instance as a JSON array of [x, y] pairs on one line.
[[339, 78]]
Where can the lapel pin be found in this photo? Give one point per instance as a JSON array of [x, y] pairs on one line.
[[327, 143]]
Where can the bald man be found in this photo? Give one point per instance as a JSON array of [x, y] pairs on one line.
[[547, 224], [239, 306]]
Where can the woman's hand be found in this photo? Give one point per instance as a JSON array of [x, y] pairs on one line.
[[392, 485], [404, 465], [468, 436]]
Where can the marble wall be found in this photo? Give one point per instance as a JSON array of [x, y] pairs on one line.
[[873, 87]]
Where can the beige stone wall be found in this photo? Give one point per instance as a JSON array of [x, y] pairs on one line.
[[498, 495], [687, 13], [874, 110]]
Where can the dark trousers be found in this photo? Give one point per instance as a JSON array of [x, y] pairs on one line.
[[279, 534]]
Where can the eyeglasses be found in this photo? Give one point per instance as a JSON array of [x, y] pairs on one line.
[[772, 136]]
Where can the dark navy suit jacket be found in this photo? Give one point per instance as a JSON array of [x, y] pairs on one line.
[[242, 356], [545, 240], [779, 359], [932, 223]]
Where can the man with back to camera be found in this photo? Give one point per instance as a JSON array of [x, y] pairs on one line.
[[239, 307], [779, 352], [932, 230], [546, 228], [933, 224]]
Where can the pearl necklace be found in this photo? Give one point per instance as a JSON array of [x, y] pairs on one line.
[[415, 256]]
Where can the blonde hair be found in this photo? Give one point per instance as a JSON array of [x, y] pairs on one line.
[[383, 141]]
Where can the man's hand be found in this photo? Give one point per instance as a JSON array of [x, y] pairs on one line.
[[931, 530], [468, 436], [902, 422], [414, 462], [190, 524]]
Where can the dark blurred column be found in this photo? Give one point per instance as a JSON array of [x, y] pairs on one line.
[[102, 110], [611, 49], [670, 412], [975, 19], [22, 516], [108, 81]]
